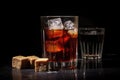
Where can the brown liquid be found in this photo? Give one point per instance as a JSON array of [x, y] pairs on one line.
[[60, 46]]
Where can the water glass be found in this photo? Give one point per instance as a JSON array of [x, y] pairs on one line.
[[91, 41]]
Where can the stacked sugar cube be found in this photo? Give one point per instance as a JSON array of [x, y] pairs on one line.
[[23, 62]]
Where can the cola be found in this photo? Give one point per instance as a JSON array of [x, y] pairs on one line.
[[60, 45], [60, 41]]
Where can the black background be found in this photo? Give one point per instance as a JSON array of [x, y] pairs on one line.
[[20, 33]]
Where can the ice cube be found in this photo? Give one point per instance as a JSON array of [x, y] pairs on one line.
[[73, 33], [53, 46], [54, 33], [55, 23], [69, 25]]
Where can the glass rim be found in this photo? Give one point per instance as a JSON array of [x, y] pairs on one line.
[[61, 16], [91, 28]]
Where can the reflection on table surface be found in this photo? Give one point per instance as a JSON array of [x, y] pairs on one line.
[[31, 75], [87, 70], [91, 68]]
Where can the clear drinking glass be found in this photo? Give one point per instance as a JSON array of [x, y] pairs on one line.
[[60, 35], [91, 42]]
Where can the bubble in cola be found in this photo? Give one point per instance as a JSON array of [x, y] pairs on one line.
[[55, 23]]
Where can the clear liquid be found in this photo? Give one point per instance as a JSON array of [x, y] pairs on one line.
[[91, 45]]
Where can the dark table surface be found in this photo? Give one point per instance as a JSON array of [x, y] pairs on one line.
[[104, 69]]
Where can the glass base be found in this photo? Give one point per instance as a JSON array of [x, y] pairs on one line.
[[57, 66], [91, 57]]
